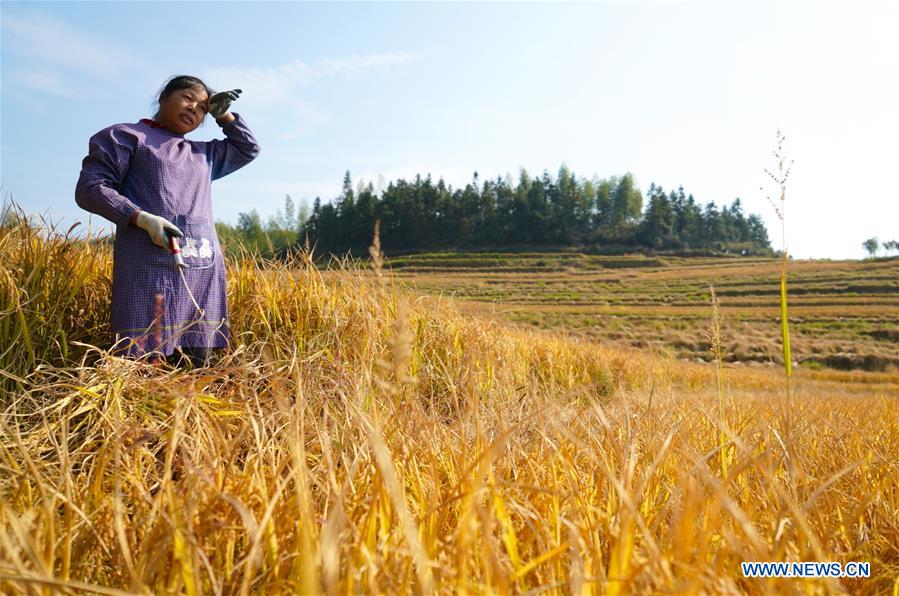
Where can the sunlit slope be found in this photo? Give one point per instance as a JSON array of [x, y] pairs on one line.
[[843, 314]]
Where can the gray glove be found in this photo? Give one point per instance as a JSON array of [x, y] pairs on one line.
[[157, 227], [220, 103]]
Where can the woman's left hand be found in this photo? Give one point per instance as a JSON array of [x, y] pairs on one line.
[[220, 103]]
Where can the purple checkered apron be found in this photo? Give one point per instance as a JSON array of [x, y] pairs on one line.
[[144, 166]]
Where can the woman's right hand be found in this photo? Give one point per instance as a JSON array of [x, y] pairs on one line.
[[157, 227], [220, 103]]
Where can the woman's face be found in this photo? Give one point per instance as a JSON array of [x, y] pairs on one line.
[[182, 111]]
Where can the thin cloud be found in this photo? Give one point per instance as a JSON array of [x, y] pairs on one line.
[[263, 87], [279, 86], [47, 82], [355, 62], [268, 86], [51, 41]]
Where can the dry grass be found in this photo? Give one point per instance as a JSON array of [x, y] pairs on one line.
[[361, 439]]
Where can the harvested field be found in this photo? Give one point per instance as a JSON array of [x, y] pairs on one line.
[[843, 314]]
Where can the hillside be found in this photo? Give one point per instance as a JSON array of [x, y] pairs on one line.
[[843, 314]]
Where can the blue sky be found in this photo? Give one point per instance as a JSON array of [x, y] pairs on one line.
[[679, 93]]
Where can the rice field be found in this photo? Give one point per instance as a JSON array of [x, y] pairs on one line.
[[362, 437], [843, 314]]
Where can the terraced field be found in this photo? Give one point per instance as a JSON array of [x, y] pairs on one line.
[[843, 314]]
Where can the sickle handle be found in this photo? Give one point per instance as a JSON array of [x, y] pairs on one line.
[[176, 252]]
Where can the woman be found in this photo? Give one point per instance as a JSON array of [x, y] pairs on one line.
[[154, 183]]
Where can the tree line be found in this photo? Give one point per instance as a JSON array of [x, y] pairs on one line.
[[543, 211]]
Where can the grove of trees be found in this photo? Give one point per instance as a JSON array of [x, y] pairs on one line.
[[544, 211], [278, 233]]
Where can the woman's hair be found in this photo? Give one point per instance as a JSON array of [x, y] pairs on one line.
[[177, 84]]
